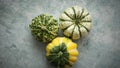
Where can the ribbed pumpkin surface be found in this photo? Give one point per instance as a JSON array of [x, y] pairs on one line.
[[62, 52], [75, 22]]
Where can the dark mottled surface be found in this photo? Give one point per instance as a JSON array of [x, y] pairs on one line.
[[18, 49]]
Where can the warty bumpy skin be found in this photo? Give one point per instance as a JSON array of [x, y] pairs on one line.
[[44, 27]]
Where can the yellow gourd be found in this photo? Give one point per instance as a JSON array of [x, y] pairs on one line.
[[62, 52]]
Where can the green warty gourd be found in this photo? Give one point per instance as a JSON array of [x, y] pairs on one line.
[[44, 27]]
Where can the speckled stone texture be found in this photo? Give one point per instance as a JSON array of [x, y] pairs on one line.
[[18, 48]]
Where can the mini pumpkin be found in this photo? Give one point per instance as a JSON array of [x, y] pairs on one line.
[[44, 27], [75, 22], [62, 52]]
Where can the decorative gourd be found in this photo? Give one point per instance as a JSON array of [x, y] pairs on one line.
[[75, 22], [44, 27], [62, 52]]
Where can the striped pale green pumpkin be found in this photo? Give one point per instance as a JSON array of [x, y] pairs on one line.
[[75, 22]]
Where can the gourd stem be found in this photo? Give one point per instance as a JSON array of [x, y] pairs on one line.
[[77, 21], [60, 54], [43, 28]]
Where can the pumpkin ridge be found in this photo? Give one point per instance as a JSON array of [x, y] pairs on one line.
[[85, 27], [78, 16], [67, 27], [68, 15], [74, 12], [86, 21], [81, 13], [84, 16], [72, 31], [79, 31], [65, 20]]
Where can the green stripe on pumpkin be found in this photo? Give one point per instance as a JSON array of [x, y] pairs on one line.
[[85, 28], [79, 31], [68, 15], [81, 13], [75, 15]]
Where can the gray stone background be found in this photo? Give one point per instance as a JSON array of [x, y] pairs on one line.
[[18, 49]]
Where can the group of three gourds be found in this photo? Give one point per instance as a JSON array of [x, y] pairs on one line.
[[75, 22]]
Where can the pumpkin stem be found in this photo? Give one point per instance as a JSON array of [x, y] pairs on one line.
[[43, 28], [77, 21], [60, 54]]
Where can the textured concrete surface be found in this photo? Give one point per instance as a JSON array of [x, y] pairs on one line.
[[18, 49]]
